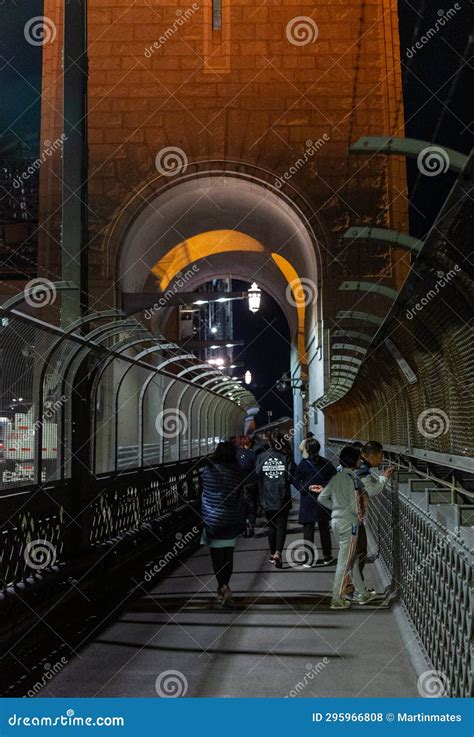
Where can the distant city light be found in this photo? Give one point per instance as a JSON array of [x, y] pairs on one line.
[[255, 297]]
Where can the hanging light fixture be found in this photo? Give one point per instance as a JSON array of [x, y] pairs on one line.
[[248, 377], [255, 296]]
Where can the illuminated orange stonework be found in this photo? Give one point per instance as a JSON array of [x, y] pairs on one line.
[[245, 94]]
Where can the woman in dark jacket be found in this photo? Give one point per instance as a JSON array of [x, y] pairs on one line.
[[275, 468], [312, 475], [223, 514]]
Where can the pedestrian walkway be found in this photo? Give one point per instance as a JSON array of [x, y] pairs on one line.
[[280, 640]]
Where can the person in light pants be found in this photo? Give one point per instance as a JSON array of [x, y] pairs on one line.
[[347, 497]]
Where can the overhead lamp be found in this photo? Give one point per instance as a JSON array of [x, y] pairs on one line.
[[248, 377], [214, 330], [200, 302], [255, 297]]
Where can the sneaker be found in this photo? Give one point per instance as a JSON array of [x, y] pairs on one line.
[[339, 604], [306, 565], [329, 561], [364, 598], [277, 560], [226, 596]]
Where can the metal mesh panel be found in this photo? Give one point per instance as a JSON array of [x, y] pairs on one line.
[[431, 570]]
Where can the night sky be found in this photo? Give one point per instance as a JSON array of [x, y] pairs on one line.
[[437, 76]]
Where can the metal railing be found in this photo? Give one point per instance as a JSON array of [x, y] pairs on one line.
[[50, 526], [428, 557]]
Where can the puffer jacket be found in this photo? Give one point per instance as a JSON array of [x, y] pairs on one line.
[[222, 501], [275, 471]]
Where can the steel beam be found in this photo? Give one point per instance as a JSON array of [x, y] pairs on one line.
[[349, 347], [369, 287], [347, 359], [411, 147], [74, 154], [354, 315], [384, 235], [352, 334]]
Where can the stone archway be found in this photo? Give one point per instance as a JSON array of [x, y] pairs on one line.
[[226, 224]]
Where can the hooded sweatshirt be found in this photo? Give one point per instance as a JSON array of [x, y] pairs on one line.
[[346, 495], [274, 470]]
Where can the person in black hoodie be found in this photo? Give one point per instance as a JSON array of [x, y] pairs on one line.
[[223, 514], [312, 475], [275, 468]]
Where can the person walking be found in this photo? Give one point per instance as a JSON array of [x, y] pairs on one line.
[[347, 497], [275, 469], [312, 475], [223, 514]]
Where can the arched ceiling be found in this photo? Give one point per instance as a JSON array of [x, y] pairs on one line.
[[215, 204]]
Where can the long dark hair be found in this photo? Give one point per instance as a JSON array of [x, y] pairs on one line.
[[224, 454], [312, 447]]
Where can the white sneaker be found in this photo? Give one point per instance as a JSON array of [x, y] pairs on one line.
[[364, 598]]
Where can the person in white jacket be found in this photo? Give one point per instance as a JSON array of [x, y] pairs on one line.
[[346, 496]]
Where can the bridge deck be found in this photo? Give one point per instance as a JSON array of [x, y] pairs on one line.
[[277, 637]]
